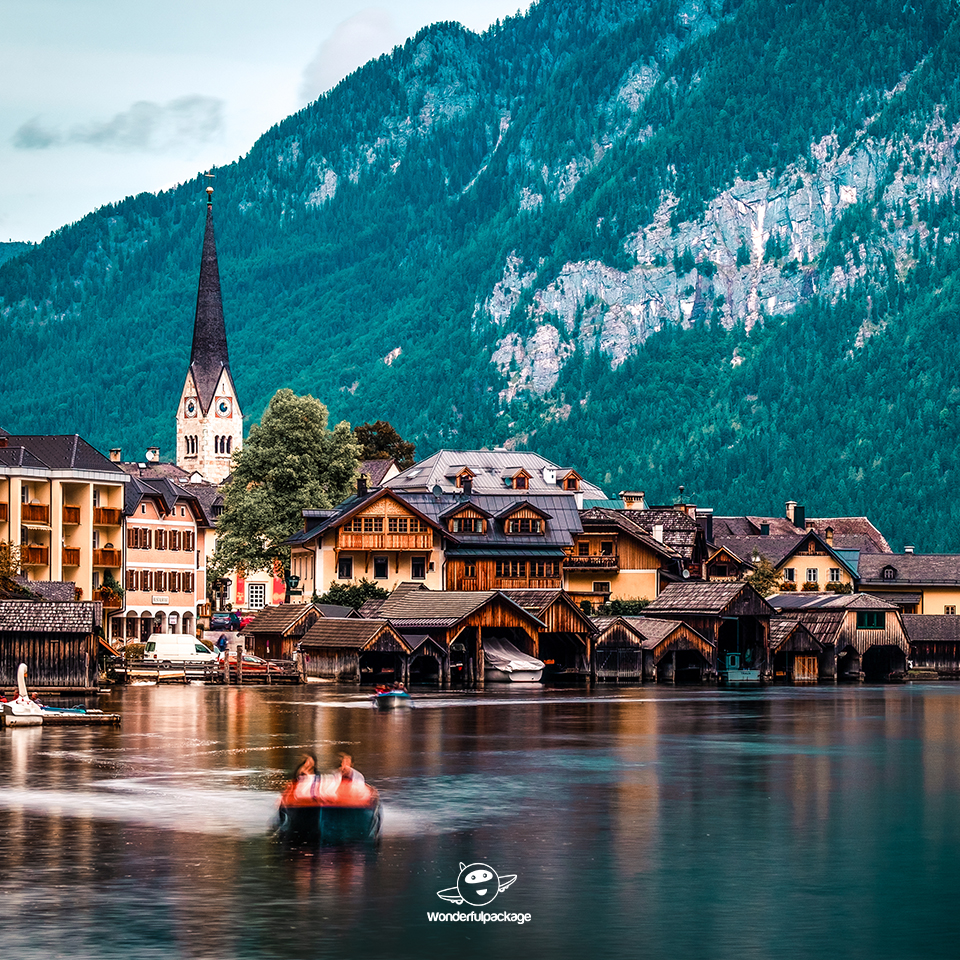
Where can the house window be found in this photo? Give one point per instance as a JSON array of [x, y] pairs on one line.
[[950, 610], [397, 525], [571, 483], [373, 524], [834, 574], [466, 525], [601, 586], [418, 568], [871, 619], [813, 574], [256, 595], [720, 570], [524, 525], [380, 568], [520, 482], [511, 569], [606, 548], [96, 497], [470, 570], [790, 574], [583, 548], [549, 569], [345, 568], [889, 573]]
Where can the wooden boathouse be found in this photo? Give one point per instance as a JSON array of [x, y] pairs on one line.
[[863, 637], [276, 630], [58, 641], [566, 644], [795, 651], [354, 650], [652, 650], [731, 616], [934, 642]]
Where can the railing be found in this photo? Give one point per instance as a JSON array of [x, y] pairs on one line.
[[71, 556], [34, 556], [611, 562], [108, 598], [384, 541], [539, 583], [107, 516], [106, 558], [71, 514], [35, 513]]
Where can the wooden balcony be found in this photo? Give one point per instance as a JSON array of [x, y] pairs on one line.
[[35, 513], [34, 556], [385, 541], [71, 556], [109, 599], [611, 562], [106, 558], [107, 516], [534, 583], [4, 512], [71, 514]]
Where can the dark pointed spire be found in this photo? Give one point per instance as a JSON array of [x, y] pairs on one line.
[[208, 356]]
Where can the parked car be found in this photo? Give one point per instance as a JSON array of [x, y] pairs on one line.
[[257, 667], [228, 621]]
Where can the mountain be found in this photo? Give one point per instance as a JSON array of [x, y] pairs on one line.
[[711, 242]]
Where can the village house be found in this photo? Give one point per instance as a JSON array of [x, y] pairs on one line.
[[465, 520], [918, 583], [61, 506]]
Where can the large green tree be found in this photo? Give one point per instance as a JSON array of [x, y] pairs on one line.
[[380, 441], [289, 462]]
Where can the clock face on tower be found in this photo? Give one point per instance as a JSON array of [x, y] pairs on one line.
[[223, 406], [190, 407]]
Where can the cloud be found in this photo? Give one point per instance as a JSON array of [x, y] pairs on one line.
[[144, 126], [353, 42]]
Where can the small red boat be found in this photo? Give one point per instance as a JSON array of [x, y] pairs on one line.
[[316, 814]]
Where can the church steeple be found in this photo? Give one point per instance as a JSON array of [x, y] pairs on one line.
[[209, 420], [209, 356]]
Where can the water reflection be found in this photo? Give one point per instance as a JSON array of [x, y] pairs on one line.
[[698, 823]]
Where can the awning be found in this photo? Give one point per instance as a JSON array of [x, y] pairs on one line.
[[36, 526]]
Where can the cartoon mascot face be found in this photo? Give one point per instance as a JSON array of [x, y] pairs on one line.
[[478, 885]]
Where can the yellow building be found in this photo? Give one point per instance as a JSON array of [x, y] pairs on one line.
[[917, 583], [61, 506]]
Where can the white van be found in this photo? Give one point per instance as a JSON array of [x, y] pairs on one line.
[[169, 648]]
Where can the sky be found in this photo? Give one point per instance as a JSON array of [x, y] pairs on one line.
[[104, 99]]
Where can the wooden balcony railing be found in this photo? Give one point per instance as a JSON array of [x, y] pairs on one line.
[[107, 516], [106, 558], [34, 556], [71, 514], [534, 583], [35, 513], [108, 598], [611, 562], [4, 513], [385, 541], [71, 556]]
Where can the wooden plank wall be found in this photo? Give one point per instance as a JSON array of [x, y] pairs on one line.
[[69, 660]]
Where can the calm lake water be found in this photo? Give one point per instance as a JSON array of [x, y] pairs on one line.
[[639, 822]]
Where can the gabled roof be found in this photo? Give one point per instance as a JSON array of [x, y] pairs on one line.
[[680, 531], [64, 452], [489, 468], [353, 634], [442, 608], [602, 516], [794, 633], [910, 568], [377, 470], [27, 616], [779, 549], [278, 618], [539, 601], [850, 533], [803, 600], [166, 492], [525, 503], [462, 505], [710, 598], [63, 591], [931, 627]]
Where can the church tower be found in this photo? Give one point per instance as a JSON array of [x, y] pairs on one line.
[[209, 420]]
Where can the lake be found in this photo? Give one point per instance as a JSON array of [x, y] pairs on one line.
[[644, 821]]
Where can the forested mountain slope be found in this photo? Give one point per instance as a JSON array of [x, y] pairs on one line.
[[713, 242]]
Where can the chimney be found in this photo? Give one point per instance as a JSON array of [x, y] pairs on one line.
[[800, 517], [791, 506], [633, 499], [467, 485], [908, 549], [153, 454], [362, 489], [706, 516], [115, 455], [658, 532], [828, 535]]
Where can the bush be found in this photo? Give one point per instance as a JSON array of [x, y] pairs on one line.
[[839, 587], [134, 652], [811, 586], [788, 586]]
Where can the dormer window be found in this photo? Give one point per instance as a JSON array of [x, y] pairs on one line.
[[889, 573], [466, 525], [464, 475], [525, 525], [571, 483], [520, 482]]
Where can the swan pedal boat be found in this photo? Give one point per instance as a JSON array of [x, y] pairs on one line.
[[25, 712], [347, 816]]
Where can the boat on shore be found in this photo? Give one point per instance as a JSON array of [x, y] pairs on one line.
[[27, 712], [504, 663]]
